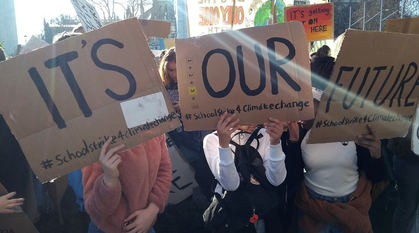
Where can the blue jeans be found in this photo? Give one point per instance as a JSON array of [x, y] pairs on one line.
[[406, 173], [327, 228], [93, 229]]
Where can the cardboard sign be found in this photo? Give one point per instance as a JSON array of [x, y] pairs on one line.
[[155, 28], [206, 17], [183, 182], [257, 73], [16, 222], [169, 43], [409, 25], [373, 82], [318, 20], [301, 2], [64, 100], [33, 43], [87, 14]]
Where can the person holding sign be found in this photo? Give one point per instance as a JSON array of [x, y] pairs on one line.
[[222, 148], [188, 142], [335, 195], [125, 191]]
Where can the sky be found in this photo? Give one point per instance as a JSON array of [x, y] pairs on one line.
[[30, 15]]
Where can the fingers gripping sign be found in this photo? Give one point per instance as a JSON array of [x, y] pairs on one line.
[[275, 129], [226, 125], [7, 204], [109, 161], [371, 142]]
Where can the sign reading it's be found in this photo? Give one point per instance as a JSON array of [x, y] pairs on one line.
[[318, 20], [372, 83], [62, 102], [256, 73]]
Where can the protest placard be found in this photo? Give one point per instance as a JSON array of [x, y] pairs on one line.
[[155, 28], [87, 14], [212, 16], [16, 222], [33, 43], [408, 25], [256, 73], [183, 182], [318, 20], [373, 82], [62, 102]]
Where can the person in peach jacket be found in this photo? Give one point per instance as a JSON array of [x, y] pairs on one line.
[[125, 191]]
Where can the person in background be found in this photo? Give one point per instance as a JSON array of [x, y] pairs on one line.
[[406, 173], [188, 142], [321, 67], [335, 196]]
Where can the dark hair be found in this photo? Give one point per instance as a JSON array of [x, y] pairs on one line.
[[2, 55], [324, 51]]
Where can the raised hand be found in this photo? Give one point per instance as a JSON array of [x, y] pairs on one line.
[[371, 142], [226, 125], [109, 161], [275, 129]]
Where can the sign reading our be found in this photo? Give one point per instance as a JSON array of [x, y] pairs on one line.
[[408, 25], [372, 83], [318, 20], [256, 73], [64, 100]]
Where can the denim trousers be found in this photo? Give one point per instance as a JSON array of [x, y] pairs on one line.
[[93, 229], [327, 228], [406, 173]]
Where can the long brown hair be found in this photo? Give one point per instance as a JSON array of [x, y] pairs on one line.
[[170, 56]]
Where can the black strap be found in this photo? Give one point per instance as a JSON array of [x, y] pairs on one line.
[[253, 136]]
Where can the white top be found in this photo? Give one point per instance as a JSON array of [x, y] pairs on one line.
[[221, 160], [331, 168]]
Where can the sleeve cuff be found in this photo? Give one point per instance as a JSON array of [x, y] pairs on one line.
[[226, 157], [276, 153]]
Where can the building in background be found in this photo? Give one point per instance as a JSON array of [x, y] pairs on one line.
[[181, 19], [8, 29]]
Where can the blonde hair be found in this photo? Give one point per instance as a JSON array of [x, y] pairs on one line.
[[170, 56]]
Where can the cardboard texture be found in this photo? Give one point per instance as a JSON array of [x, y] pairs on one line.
[[409, 25], [214, 77], [155, 28], [169, 43], [16, 222], [183, 182], [373, 82], [83, 80], [318, 20], [87, 14]]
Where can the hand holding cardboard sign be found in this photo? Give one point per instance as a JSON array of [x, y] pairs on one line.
[[294, 131], [109, 161], [371, 142], [141, 220], [226, 125], [6, 203], [275, 129]]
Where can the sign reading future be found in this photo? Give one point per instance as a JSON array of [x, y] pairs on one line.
[[373, 82], [256, 73]]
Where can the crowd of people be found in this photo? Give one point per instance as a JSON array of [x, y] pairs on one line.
[[318, 187]]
